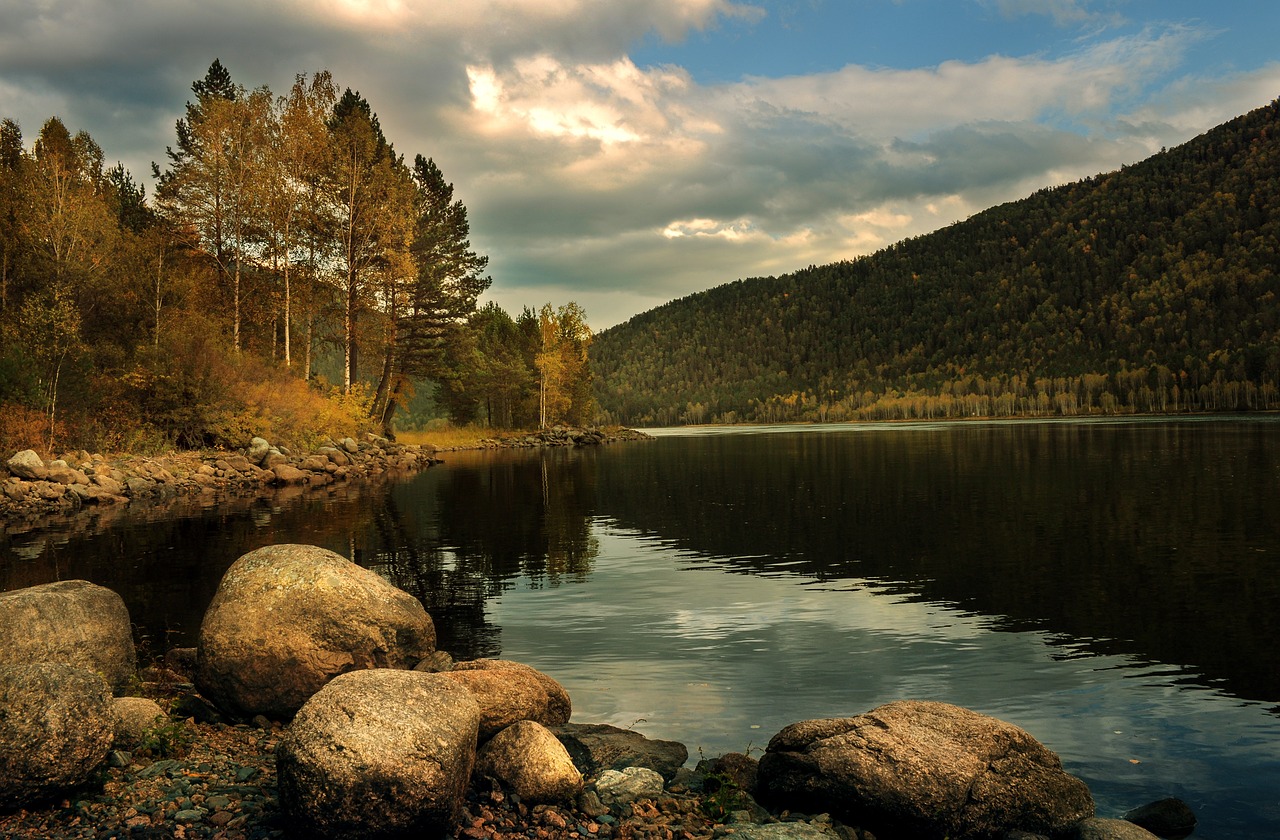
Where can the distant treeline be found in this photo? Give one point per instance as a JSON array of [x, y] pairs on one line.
[[1150, 289]]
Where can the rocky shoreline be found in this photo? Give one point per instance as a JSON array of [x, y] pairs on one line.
[[35, 493], [317, 704], [221, 785]]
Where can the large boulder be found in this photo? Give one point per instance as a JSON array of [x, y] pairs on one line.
[[596, 747], [258, 449], [527, 758], [924, 769], [378, 754], [27, 464], [286, 619], [509, 691], [56, 727], [71, 621]]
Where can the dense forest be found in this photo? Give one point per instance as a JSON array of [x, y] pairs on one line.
[[293, 276], [1149, 289]]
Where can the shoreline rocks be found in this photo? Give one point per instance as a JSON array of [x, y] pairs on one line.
[[31, 488], [939, 770], [379, 754], [558, 436], [56, 726], [480, 750], [80, 479]]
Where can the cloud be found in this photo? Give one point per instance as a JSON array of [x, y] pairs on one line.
[[591, 177], [1062, 12], [663, 180]]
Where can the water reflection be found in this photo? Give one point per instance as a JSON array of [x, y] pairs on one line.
[[1146, 538], [458, 536], [711, 588]]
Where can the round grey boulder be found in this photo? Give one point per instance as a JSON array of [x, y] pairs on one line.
[[617, 788], [71, 621], [530, 760], [55, 730], [930, 770], [286, 619], [509, 692], [378, 754], [134, 718], [27, 464], [257, 450]]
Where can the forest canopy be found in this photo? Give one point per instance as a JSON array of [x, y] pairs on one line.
[[293, 275], [1149, 289]]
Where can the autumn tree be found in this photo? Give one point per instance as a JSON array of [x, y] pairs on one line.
[[216, 176], [296, 216], [11, 163], [362, 187], [563, 370], [446, 279], [64, 219]]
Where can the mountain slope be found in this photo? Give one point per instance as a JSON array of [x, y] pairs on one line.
[[1153, 288]]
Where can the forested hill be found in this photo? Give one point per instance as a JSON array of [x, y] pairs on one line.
[[1153, 288]]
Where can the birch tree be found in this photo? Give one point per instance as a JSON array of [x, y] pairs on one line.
[[361, 187]]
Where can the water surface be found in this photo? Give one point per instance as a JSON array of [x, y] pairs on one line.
[[1110, 586]]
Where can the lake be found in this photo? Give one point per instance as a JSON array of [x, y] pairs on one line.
[[1111, 586]]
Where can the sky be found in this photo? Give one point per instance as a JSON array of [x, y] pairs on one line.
[[624, 153]]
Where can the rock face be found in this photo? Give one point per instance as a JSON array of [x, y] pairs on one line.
[[71, 621], [509, 692], [929, 770], [286, 619], [55, 729], [379, 754], [527, 758], [598, 746]]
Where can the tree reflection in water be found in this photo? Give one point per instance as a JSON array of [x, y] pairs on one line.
[[465, 532]]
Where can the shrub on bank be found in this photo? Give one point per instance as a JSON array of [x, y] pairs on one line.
[[185, 392]]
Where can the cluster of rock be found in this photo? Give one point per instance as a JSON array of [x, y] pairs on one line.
[[81, 478], [388, 735], [563, 436]]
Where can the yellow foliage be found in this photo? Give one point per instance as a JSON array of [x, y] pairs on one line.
[[282, 408], [453, 437], [22, 427]]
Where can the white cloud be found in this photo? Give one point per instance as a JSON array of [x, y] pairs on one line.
[[1063, 12]]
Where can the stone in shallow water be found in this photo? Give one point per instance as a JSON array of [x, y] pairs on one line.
[[931, 769], [1170, 818], [286, 619]]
